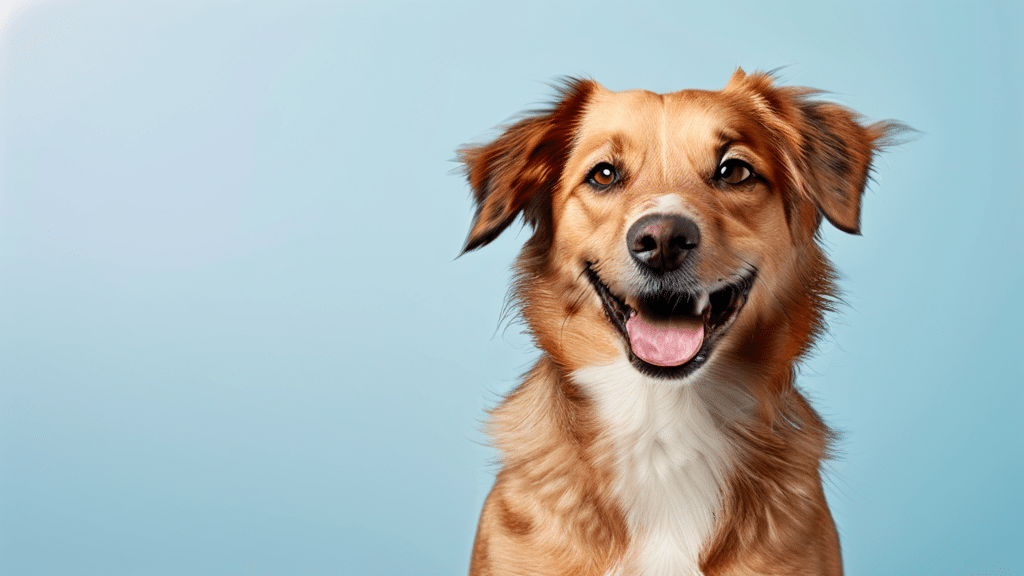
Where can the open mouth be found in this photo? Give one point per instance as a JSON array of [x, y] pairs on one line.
[[670, 334]]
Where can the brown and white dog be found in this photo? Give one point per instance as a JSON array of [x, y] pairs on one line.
[[673, 280]]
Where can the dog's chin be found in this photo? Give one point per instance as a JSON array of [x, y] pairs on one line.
[[673, 334]]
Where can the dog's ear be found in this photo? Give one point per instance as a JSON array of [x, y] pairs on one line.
[[834, 159], [827, 151], [516, 173]]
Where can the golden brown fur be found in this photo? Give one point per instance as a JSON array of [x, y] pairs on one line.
[[557, 506]]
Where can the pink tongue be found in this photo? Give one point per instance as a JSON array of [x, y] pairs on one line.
[[666, 345]]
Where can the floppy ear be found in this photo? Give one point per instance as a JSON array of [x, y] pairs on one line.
[[516, 173], [834, 159], [826, 151]]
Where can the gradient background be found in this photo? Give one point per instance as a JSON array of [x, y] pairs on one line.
[[233, 338]]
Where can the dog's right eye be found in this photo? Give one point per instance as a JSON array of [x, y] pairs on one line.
[[734, 171], [602, 176]]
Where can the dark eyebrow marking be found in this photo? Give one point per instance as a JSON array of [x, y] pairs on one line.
[[618, 144], [726, 143], [727, 137]]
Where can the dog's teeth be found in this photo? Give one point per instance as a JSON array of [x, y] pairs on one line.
[[703, 303]]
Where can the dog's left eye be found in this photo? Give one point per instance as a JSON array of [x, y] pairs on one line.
[[603, 175], [734, 171]]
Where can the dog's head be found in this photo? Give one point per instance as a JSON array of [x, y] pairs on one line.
[[675, 228]]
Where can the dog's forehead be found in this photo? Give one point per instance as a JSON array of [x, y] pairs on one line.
[[693, 117]]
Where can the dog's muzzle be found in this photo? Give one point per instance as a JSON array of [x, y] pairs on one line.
[[671, 329]]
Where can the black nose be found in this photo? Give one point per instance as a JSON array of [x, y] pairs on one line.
[[662, 242]]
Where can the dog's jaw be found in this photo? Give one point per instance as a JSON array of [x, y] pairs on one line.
[[714, 310]]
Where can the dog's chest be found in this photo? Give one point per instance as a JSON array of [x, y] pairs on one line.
[[671, 464]]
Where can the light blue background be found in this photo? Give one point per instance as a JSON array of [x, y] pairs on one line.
[[233, 338]]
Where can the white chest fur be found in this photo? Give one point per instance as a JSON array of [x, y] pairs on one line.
[[672, 462]]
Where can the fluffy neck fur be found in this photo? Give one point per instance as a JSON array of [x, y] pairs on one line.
[[624, 474], [672, 461]]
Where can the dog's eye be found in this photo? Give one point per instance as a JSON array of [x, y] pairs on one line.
[[603, 175], [734, 171]]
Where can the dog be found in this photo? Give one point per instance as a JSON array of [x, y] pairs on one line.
[[673, 280]]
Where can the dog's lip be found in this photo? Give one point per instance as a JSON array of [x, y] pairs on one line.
[[718, 307]]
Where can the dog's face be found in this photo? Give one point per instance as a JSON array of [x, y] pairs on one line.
[[674, 229]]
